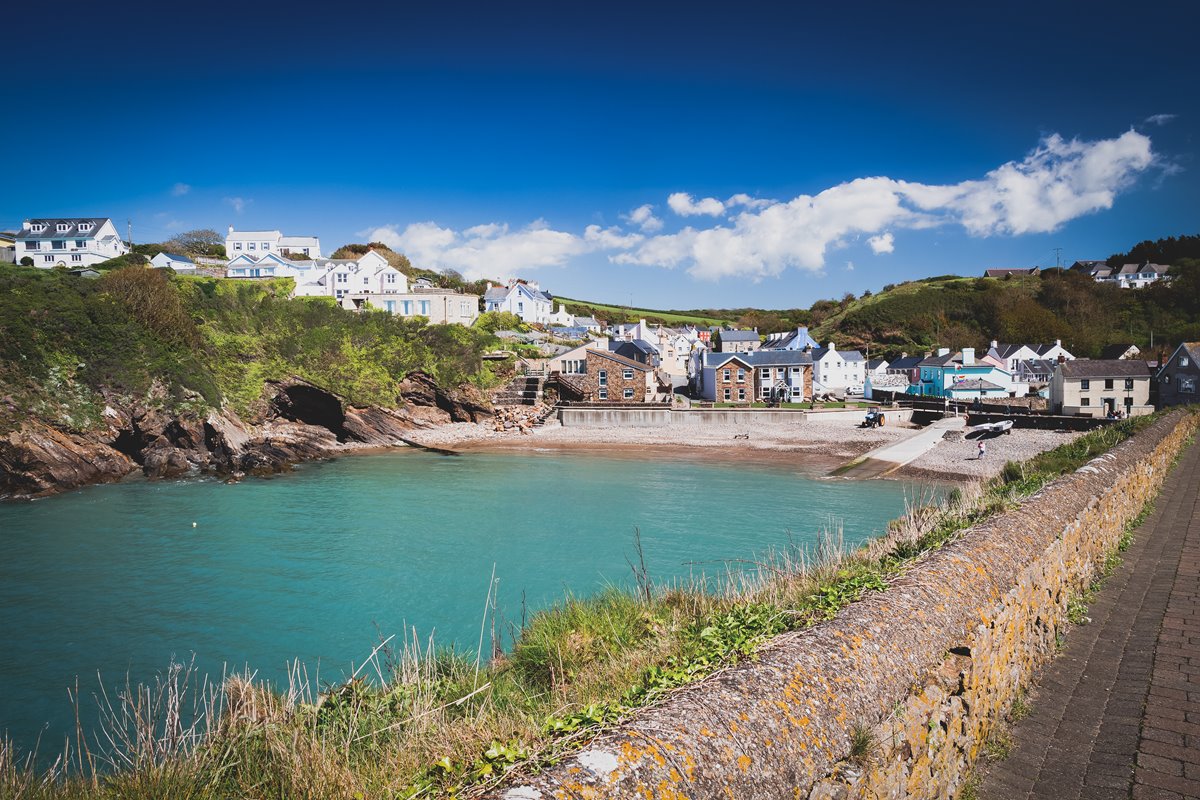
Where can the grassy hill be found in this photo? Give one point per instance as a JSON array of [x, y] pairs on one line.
[[625, 314], [67, 342]]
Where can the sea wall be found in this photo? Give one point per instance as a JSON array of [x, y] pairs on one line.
[[658, 416], [922, 672]]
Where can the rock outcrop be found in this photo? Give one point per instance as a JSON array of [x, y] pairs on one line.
[[302, 422]]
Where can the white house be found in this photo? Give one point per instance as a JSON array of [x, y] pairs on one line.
[[439, 306], [369, 274], [1010, 356], [264, 266], [1126, 276], [176, 262], [562, 318], [76, 242], [525, 299], [258, 243], [838, 371]]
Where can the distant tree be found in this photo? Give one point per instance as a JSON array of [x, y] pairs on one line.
[[290, 256], [151, 299], [26, 261], [397, 260], [201, 242], [493, 321]]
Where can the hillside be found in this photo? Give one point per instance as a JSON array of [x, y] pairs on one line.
[[612, 314]]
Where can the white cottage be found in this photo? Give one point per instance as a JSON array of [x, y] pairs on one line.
[[74, 242], [176, 262], [525, 299], [258, 243]]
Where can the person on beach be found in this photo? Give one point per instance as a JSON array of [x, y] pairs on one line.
[[982, 449]]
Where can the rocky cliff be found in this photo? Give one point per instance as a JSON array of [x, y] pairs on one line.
[[299, 422]]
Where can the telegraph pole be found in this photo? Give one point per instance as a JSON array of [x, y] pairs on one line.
[[1057, 256]]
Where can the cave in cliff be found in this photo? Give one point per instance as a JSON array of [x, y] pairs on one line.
[[312, 406]]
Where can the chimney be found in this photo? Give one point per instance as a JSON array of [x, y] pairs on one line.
[[25, 225], [968, 354], [943, 351], [230, 230], [995, 343], [904, 354], [1058, 342], [489, 284], [1062, 359], [831, 347], [928, 354]]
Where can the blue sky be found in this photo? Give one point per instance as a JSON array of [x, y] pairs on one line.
[[685, 155]]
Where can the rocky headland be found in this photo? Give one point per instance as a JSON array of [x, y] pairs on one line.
[[297, 421]]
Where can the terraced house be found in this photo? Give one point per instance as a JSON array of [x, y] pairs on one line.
[[73, 242]]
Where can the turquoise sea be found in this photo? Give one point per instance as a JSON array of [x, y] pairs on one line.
[[316, 565]]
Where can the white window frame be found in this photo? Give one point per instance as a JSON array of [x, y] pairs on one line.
[[627, 394], [602, 394], [627, 374], [602, 377]]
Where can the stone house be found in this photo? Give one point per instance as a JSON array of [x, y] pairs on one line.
[[737, 341], [1179, 376], [1099, 387], [726, 378], [611, 378], [784, 375]]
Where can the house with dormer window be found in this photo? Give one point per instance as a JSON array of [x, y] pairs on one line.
[[523, 298], [1179, 377], [73, 243]]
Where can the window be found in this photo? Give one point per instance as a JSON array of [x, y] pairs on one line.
[[424, 305], [726, 395], [76, 257], [1085, 401], [85, 226], [766, 373], [1129, 384], [741, 395], [266, 246], [341, 276], [627, 394], [58, 244], [237, 245], [62, 226], [390, 305], [366, 280], [1183, 361], [464, 308], [250, 246], [741, 375], [602, 377], [1108, 383], [765, 391], [1085, 384], [33, 245], [520, 307], [603, 394], [725, 376], [37, 227], [627, 374], [406, 307], [1187, 384], [48, 258], [391, 277], [795, 370], [306, 251], [81, 242]]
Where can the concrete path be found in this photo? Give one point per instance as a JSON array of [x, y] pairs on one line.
[[883, 460], [1117, 714]]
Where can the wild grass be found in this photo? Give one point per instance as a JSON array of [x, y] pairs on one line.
[[417, 721]]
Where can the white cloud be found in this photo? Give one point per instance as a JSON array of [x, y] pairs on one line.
[[1058, 181], [643, 217], [180, 189], [483, 251], [884, 243], [238, 203], [746, 200], [1160, 119], [849, 266], [683, 205]]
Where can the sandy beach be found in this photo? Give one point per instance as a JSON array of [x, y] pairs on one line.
[[832, 443]]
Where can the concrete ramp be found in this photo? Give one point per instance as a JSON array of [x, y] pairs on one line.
[[884, 460]]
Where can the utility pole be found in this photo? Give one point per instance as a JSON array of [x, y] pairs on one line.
[[1057, 256], [129, 232]]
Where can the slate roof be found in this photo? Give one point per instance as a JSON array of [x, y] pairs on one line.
[[52, 232], [905, 362], [847, 355], [739, 336], [1117, 350], [587, 322], [622, 360], [876, 363], [937, 361], [790, 340], [1003, 271], [1006, 351], [975, 385], [1105, 368], [714, 360], [176, 257], [776, 358]]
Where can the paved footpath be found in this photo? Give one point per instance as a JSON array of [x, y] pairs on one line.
[[1117, 714]]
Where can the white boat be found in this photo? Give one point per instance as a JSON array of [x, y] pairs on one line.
[[1002, 426]]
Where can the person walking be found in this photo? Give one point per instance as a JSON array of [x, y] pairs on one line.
[[982, 449]]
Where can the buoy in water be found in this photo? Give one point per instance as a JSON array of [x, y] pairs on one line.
[[193, 524]]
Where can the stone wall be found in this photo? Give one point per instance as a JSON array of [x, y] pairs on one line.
[[658, 416], [927, 668]]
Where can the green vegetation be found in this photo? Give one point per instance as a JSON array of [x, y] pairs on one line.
[[616, 314], [451, 724], [66, 343]]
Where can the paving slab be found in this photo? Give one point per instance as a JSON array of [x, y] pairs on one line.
[[1124, 696]]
